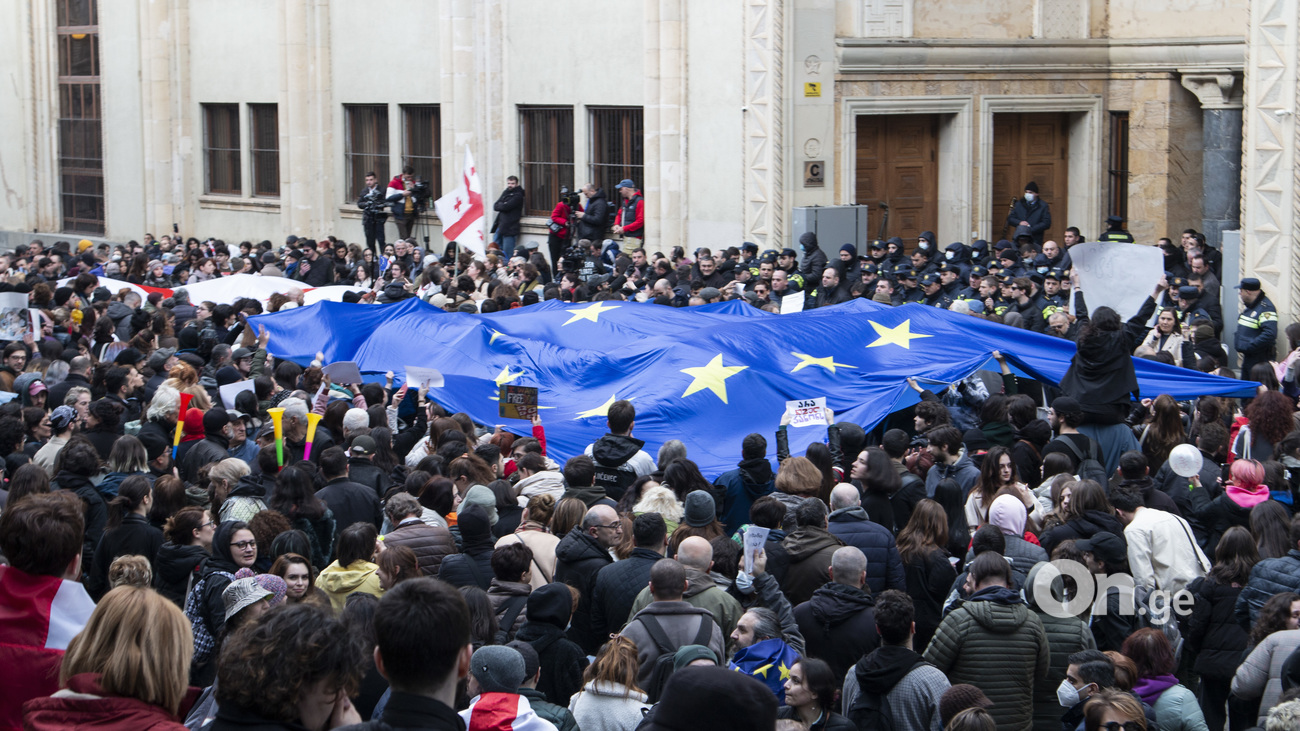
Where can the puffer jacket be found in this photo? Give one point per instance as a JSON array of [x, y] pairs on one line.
[[1176, 707], [1081, 528], [247, 499], [542, 544], [838, 625], [559, 716], [994, 642], [1260, 674], [751, 480], [616, 588], [1065, 636], [365, 472], [175, 567], [1212, 634], [810, 551], [578, 559], [431, 544], [85, 704], [1021, 554], [506, 594], [1270, 576], [547, 482], [884, 566]]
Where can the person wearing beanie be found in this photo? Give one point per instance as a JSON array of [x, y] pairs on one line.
[[495, 674], [1031, 211], [214, 447], [559, 716], [959, 698], [694, 655], [814, 261], [700, 519], [561, 660], [473, 565], [715, 699], [848, 265]]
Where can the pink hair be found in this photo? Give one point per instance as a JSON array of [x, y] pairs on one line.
[[1247, 474]]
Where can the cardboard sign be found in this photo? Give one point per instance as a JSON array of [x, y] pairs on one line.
[[793, 302], [755, 537], [807, 412], [231, 391], [343, 372], [518, 402], [423, 377], [13, 315]]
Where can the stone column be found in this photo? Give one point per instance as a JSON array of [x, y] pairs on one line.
[[764, 129], [1220, 94], [666, 201], [308, 199]]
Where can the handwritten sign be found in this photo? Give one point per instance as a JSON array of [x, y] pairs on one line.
[[13, 315], [755, 538], [807, 412], [518, 402]]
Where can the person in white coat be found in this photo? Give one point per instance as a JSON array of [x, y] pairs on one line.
[[610, 699]]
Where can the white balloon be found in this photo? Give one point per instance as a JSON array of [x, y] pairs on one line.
[[1185, 460]]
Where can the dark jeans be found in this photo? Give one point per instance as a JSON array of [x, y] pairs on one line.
[[405, 225], [1215, 696], [556, 245], [374, 229]]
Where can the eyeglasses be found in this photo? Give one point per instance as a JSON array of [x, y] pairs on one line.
[[243, 545], [1125, 726], [611, 526], [213, 522]]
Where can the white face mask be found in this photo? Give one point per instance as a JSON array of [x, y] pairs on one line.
[[1067, 695], [923, 245], [1030, 197], [949, 255]]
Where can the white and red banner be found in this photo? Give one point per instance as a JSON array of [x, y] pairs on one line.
[[461, 211]]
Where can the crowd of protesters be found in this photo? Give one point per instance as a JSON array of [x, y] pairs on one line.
[[172, 566]]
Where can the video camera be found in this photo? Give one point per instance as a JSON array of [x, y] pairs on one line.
[[570, 198]]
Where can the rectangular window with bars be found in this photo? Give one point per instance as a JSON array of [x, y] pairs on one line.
[[221, 148], [81, 146], [367, 146], [545, 156], [264, 123], [422, 144], [1118, 172], [617, 147]]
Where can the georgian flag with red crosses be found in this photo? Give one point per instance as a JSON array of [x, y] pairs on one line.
[[461, 211]]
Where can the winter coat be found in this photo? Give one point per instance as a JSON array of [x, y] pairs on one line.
[[996, 643], [929, 578], [963, 471], [351, 502], [472, 567], [407, 712], [1232, 508], [578, 559], [175, 567], [134, 537], [616, 589], [601, 706], [363, 471], [593, 220], [619, 462], [543, 546], [1021, 554], [810, 551], [505, 595], [320, 534], [94, 512], [838, 625], [213, 448], [561, 660], [751, 480], [1211, 632], [1260, 674], [829, 721], [205, 600], [247, 499], [510, 211], [912, 686], [84, 704], [884, 566], [814, 260], [681, 623], [1176, 707], [547, 482], [1065, 636], [339, 581], [1268, 577], [1081, 528], [1101, 375], [703, 593], [431, 544], [559, 716]]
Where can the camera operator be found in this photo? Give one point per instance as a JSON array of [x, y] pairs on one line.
[[560, 226], [595, 217], [409, 196], [373, 213]]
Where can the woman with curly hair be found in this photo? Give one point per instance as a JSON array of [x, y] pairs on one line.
[[288, 671], [1269, 418]]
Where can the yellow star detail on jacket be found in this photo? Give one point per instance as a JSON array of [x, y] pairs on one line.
[[712, 376], [901, 336], [590, 312], [806, 360]]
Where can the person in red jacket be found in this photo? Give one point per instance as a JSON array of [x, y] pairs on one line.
[[126, 670], [41, 600], [631, 214]]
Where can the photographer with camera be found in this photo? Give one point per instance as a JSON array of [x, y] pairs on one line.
[[409, 196], [595, 217], [561, 225], [510, 211], [374, 214]]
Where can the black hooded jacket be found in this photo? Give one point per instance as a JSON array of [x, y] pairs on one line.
[[95, 512], [838, 625], [578, 559], [1101, 375], [473, 565], [211, 606], [814, 261], [1081, 528], [882, 669], [561, 661], [174, 568], [613, 455]]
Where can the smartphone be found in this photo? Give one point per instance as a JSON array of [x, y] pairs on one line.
[[176, 228]]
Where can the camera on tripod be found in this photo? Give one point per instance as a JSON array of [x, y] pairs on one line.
[[570, 198]]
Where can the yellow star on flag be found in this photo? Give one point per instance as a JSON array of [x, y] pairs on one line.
[[806, 360], [590, 312], [602, 410], [763, 670], [901, 336], [495, 334], [505, 376], [785, 671], [712, 376]]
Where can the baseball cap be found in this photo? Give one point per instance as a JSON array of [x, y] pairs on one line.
[[362, 446], [1104, 546], [625, 183], [241, 353], [36, 387], [62, 416]]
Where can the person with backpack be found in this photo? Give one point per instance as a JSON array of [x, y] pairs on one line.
[[893, 688], [667, 624], [1065, 416], [619, 458]]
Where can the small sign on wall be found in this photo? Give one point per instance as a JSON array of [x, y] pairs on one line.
[[814, 174], [812, 88]]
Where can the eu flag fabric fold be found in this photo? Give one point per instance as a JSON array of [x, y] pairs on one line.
[[706, 375], [768, 662]]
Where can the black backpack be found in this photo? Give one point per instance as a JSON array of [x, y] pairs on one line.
[[1087, 468], [663, 667], [871, 710]]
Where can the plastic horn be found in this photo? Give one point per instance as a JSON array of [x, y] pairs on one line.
[[180, 422], [312, 420], [277, 419]]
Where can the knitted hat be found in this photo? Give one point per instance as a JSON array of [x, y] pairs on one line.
[[481, 496], [498, 669], [975, 440], [1066, 405], [194, 423], [701, 511], [853, 250], [1032, 187], [213, 421], [713, 698], [960, 697], [687, 654], [227, 375]]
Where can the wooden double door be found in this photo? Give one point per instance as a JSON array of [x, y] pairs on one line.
[[897, 163], [1031, 147]]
